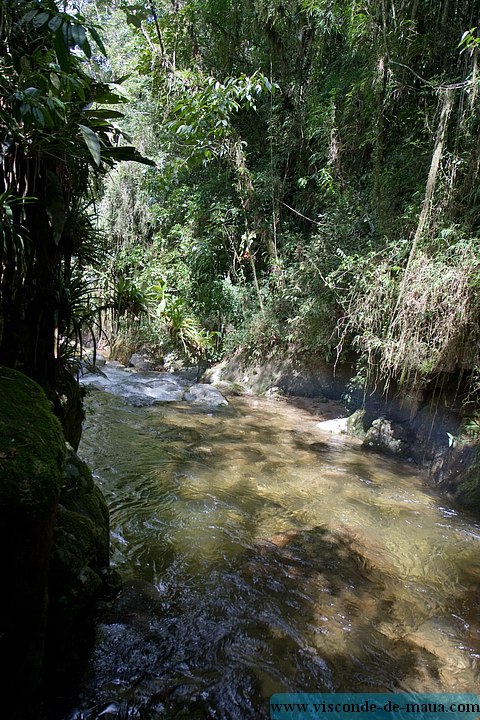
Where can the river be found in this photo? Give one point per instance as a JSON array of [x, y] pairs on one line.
[[261, 554]]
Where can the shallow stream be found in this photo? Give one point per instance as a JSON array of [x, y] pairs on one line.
[[261, 554]]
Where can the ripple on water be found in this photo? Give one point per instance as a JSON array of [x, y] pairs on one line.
[[262, 555]]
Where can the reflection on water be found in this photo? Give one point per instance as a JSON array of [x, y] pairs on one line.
[[261, 555]]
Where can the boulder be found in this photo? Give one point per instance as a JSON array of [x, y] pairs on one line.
[[357, 424], [205, 395], [146, 360], [467, 492], [335, 425], [141, 362], [387, 436], [32, 453]]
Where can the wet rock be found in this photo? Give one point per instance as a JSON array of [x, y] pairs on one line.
[[165, 391], [68, 407], [115, 364], [458, 473], [146, 359], [204, 395], [387, 436], [95, 359], [136, 604], [231, 389], [142, 362], [274, 392]]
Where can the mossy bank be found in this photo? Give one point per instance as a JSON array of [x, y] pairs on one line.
[[54, 531]]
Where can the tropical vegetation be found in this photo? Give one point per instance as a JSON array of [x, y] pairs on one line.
[[312, 182]]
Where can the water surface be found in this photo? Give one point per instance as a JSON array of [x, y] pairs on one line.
[[262, 555]]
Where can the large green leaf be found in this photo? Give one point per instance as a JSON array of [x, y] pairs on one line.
[[61, 49], [92, 142]]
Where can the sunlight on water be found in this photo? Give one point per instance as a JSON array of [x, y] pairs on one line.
[[261, 555]]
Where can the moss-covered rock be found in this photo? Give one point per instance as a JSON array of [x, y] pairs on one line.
[[468, 491], [32, 447], [357, 424], [460, 473], [82, 497], [32, 453], [386, 436], [78, 568]]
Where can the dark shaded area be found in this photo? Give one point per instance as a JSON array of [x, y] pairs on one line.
[[32, 451], [78, 577]]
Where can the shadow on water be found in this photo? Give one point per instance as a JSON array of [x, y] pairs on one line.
[[261, 557], [275, 621]]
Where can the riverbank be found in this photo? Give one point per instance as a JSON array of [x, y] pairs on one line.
[[430, 428]]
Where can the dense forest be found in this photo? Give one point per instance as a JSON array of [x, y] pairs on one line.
[[308, 177]]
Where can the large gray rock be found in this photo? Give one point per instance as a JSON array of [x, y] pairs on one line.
[[357, 424], [148, 388], [387, 436], [141, 362], [204, 395]]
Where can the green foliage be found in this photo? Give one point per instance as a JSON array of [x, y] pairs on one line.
[[416, 323], [306, 190], [203, 114], [57, 139]]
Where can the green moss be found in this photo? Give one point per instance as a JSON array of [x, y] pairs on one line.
[[74, 541], [356, 424], [468, 490], [32, 446], [80, 496]]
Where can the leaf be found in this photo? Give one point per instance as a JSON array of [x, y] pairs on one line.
[[61, 50], [121, 79], [109, 98], [104, 114], [25, 64], [134, 20], [79, 35], [87, 49], [55, 205], [98, 39], [128, 152], [40, 19], [92, 142], [54, 23], [39, 116], [28, 16], [55, 80]]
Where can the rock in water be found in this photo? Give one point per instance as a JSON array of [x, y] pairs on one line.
[[204, 395]]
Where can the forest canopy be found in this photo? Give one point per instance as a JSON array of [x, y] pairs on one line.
[[312, 181]]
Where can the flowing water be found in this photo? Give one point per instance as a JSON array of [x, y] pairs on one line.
[[260, 555]]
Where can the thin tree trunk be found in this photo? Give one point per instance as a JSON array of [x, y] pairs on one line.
[[432, 175], [429, 190]]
